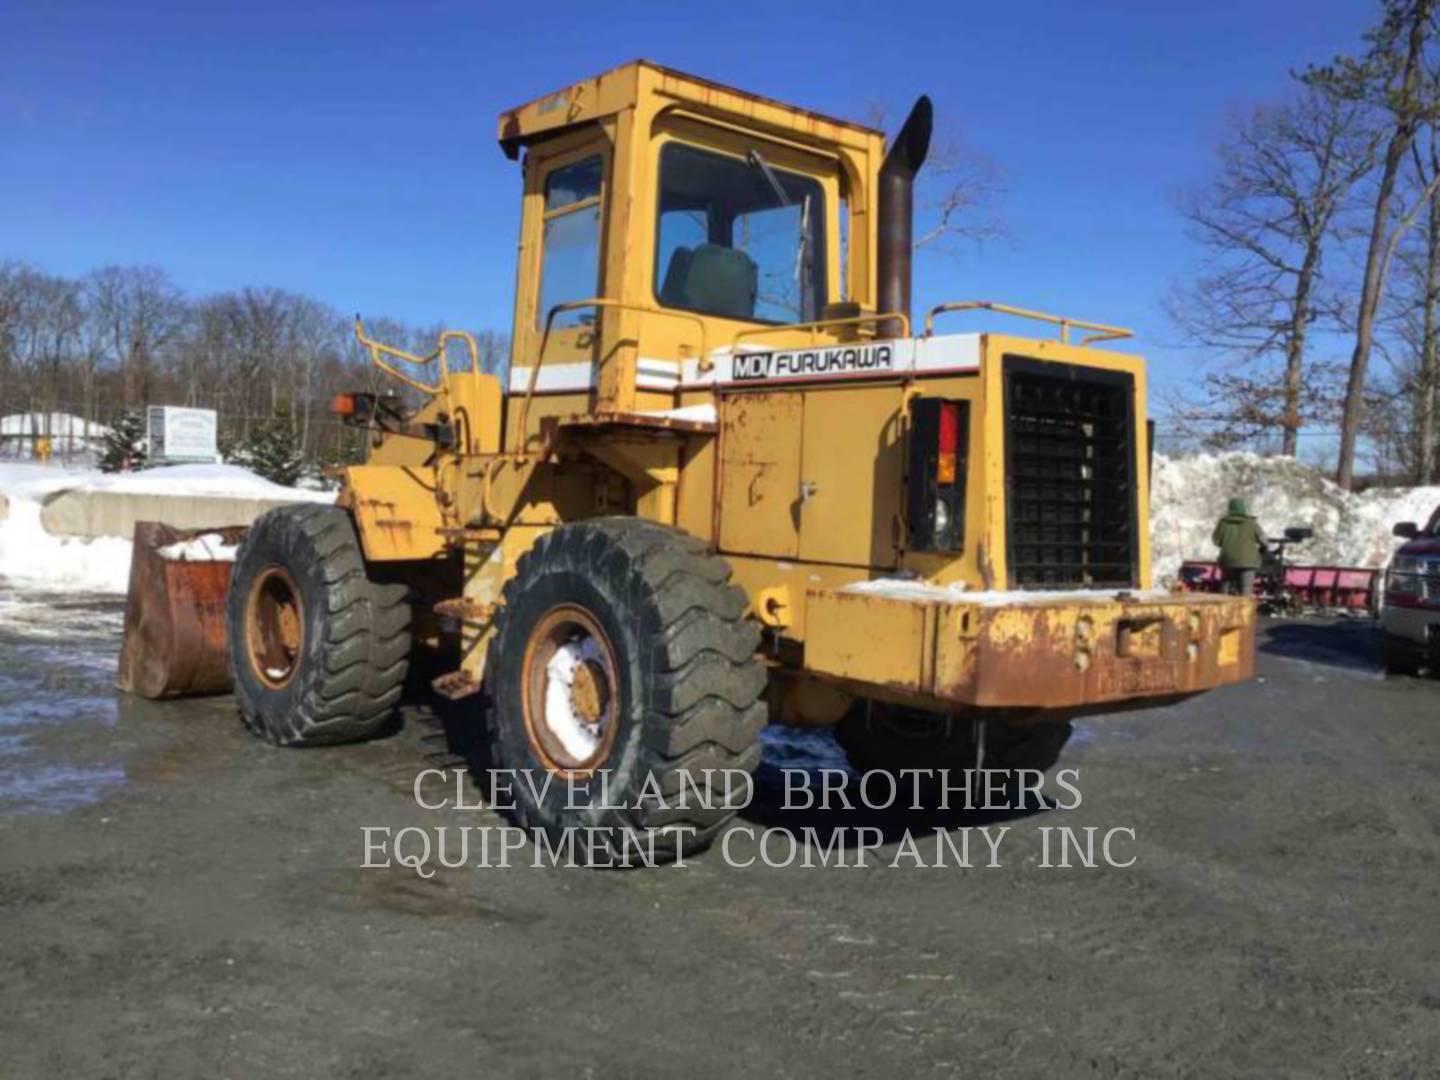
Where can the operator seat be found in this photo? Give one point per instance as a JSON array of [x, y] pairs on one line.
[[713, 279]]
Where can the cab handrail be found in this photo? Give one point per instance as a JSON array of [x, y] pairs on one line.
[[1104, 332], [824, 324], [379, 350], [576, 305]]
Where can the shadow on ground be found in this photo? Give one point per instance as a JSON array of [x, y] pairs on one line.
[[1353, 644], [803, 783]]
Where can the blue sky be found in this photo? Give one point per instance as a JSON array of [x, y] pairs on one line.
[[346, 150]]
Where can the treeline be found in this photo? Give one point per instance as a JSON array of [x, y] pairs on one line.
[[1319, 286], [120, 338]]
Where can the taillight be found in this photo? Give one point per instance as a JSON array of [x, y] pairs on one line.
[[343, 405], [935, 482], [948, 443]]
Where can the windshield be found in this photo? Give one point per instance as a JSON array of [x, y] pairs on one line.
[[739, 238]]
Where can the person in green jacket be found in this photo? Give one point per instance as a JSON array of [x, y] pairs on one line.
[[1242, 544]]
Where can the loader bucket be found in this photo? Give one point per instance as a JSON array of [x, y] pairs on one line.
[[174, 642]]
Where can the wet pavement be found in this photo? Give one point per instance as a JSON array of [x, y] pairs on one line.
[[178, 899], [56, 696]]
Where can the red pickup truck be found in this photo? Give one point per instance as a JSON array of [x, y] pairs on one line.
[[1411, 615]]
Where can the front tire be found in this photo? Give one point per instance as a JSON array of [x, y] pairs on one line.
[[319, 650], [623, 662]]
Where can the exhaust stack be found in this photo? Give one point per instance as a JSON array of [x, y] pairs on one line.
[[896, 212]]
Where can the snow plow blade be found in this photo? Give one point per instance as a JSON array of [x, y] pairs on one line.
[[1317, 588], [174, 642]]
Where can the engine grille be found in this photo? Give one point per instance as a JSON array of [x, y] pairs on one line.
[[1070, 476]]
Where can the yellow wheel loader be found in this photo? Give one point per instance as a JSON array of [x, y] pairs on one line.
[[727, 482]]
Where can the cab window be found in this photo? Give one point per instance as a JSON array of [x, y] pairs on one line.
[[739, 237], [570, 252]]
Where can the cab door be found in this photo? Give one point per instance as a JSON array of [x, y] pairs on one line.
[[563, 241]]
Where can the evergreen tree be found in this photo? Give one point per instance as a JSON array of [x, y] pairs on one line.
[[124, 445], [273, 451]]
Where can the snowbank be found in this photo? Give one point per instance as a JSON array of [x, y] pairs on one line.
[[228, 481], [31, 556], [1188, 495], [56, 424], [69, 435]]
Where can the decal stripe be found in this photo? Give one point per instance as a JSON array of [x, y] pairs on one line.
[[869, 360]]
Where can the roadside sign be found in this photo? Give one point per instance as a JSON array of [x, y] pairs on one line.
[[181, 434]]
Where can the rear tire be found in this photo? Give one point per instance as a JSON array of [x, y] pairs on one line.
[[892, 739], [319, 650], [623, 656], [887, 738]]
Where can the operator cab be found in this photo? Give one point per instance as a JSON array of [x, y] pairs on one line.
[[695, 214]]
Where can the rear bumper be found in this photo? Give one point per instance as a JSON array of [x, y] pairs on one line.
[[1032, 651], [1413, 624]]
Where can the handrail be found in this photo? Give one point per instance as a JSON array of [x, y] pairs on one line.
[[379, 348], [821, 324], [575, 305], [1106, 333]]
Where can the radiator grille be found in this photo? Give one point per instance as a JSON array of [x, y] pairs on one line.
[[1070, 476]]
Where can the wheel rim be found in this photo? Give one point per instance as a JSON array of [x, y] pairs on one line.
[[274, 627], [571, 696]]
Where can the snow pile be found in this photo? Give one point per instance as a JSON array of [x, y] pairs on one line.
[[31, 556], [207, 547], [1188, 495], [220, 481]]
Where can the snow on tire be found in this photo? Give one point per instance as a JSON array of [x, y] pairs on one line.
[[624, 663]]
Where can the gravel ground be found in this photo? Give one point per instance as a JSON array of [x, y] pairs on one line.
[[178, 900]]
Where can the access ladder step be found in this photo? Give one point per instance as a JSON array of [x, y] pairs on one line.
[[466, 611], [455, 685]]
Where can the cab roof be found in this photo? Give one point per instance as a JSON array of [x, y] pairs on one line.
[[630, 84]]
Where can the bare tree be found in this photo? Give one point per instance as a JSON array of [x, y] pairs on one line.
[[1266, 222], [260, 356], [11, 288], [1396, 78], [141, 311], [1415, 311]]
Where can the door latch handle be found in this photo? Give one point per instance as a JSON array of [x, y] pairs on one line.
[[808, 490]]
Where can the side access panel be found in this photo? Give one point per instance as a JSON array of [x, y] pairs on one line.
[[760, 438], [852, 475]]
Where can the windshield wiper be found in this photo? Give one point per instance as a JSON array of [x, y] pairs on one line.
[[802, 249], [758, 162]]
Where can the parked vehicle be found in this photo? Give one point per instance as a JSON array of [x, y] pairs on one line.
[[1411, 613]]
